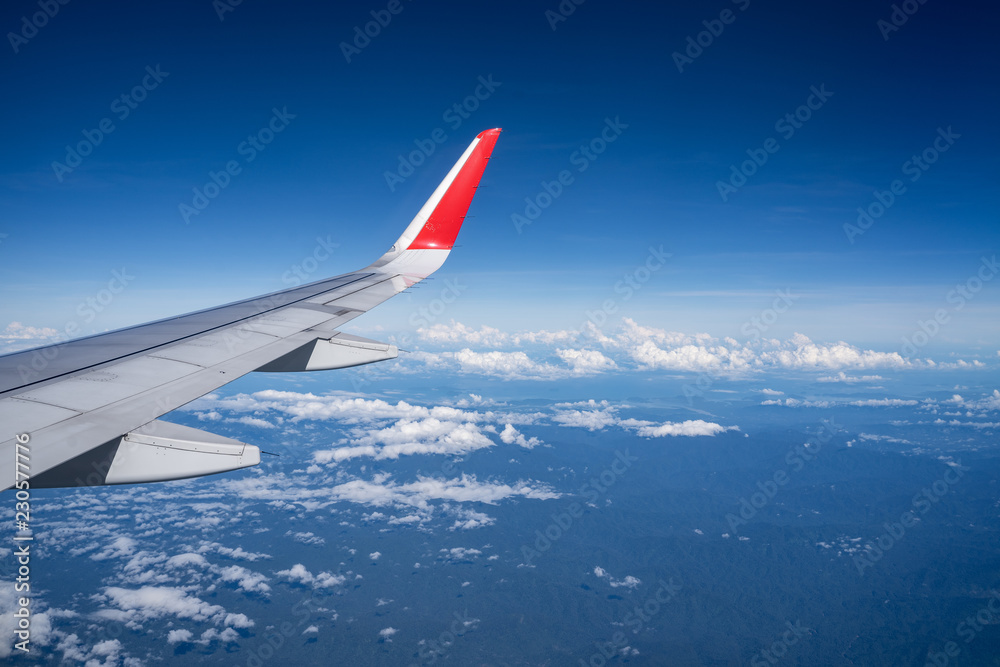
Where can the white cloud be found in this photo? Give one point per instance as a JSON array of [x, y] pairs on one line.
[[988, 403], [647, 348], [467, 488], [691, 427], [178, 636], [585, 362], [512, 436], [850, 379], [237, 554], [461, 553], [375, 555], [509, 365], [245, 579], [592, 420], [16, 336], [455, 332], [386, 633], [604, 415], [299, 574], [861, 403], [307, 538], [470, 519], [120, 547], [406, 438], [628, 582], [152, 602], [253, 421]]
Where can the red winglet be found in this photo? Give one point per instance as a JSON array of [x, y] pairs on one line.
[[444, 222]]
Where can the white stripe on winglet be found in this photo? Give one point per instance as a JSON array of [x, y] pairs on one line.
[[413, 229]]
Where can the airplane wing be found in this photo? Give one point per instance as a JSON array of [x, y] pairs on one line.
[[84, 412]]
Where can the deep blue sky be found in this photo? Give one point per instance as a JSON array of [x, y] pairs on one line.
[[656, 184]]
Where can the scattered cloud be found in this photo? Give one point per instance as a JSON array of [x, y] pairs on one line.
[[135, 606], [299, 574], [628, 582]]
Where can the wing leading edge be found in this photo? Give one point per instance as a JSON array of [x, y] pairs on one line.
[[90, 406]]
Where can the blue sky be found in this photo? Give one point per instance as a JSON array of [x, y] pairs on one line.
[[552, 90]]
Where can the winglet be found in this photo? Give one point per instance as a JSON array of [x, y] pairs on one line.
[[436, 225]]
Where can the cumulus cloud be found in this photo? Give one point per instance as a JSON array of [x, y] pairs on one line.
[[178, 636], [470, 519], [381, 491], [245, 579], [120, 547], [299, 574], [461, 553], [306, 538], [16, 336], [628, 582], [691, 427], [406, 437], [861, 403], [850, 379], [647, 348], [592, 420], [237, 554], [41, 622], [456, 332], [585, 362], [988, 403], [603, 415], [135, 606], [511, 436], [509, 365]]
